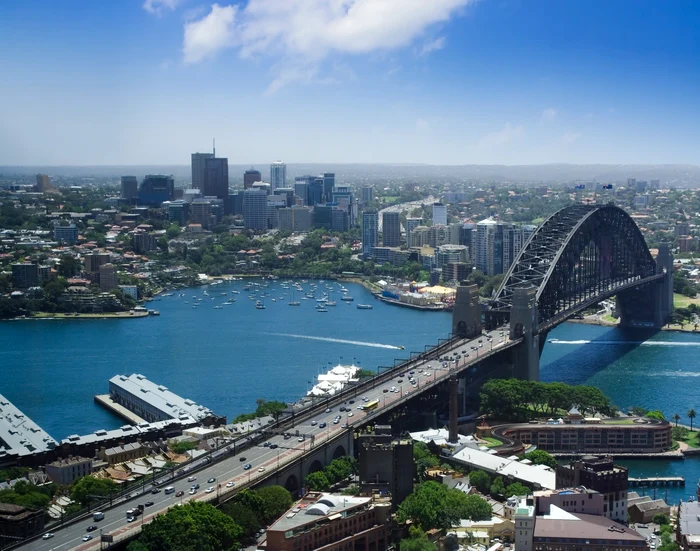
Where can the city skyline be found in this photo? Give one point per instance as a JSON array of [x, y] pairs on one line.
[[448, 82]]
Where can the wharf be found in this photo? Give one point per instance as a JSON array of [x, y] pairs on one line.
[[658, 481], [427, 307], [105, 400]]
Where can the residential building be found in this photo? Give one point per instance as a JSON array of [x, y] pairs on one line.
[[251, 176], [603, 476], [200, 213], [391, 229], [108, 277], [129, 187], [392, 255], [456, 271], [340, 221], [367, 194], [43, 183], [386, 465], [467, 237], [199, 169], [329, 187], [255, 209], [131, 291], [439, 214], [370, 230], [296, 219], [448, 253], [216, 177], [411, 224], [65, 232], [686, 244], [328, 522], [92, 262], [66, 471], [155, 189], [122, 453], [143, 242], [18, 523], [25, 275], [524, 520], [278, 175], [681, 228]]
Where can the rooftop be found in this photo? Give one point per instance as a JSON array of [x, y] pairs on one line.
[[19, 435], [315, 507], [539, 475], [587, 527], [689, 518]]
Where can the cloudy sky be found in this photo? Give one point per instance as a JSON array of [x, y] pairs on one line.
[[409, 81]]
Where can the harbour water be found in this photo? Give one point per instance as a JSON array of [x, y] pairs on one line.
[[225, 356]]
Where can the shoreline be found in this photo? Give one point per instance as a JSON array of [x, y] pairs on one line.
[[68, 316], [677, 328]]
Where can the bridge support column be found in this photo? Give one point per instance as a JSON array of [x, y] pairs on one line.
[[466, 313], [523, 324], [663, 291], [454, 411]]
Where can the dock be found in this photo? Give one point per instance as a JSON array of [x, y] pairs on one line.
[[657, 481], [105, 400]]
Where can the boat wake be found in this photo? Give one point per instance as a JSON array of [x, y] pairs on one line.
[[627, 343], [339, 341]]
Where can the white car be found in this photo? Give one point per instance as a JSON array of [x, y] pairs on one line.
[[210, 489], [192, 491], [89, 537], [261, 470], [350, 414], [47, 536], [230, 484], [358, 407], [191, 479], [128, 519]]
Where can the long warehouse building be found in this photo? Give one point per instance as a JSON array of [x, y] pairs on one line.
[[19, 435]]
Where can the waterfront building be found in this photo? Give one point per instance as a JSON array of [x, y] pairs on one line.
[[129, 187], [255, 209], [411, 224], [251, 176], [643, 509], [367, 194], [154, 402], [391, 255], [108, 277], [370, 229], [216, 177], [439, 214], [330, 522], [131, 291], [19, 435], [688, 531], [391, 229], [67, 470], [199, 169], [603, 476], [25, 275], [18, 522], [329, 187], [179, 212], [143, 242], [43, 183], [278, 175], [535, 476], [155, 189], [386, 464], [65, 232]]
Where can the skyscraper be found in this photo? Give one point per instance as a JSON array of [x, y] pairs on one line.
[[130, 187], [278, 175], [391, 229], [370, 229], [344, 197], [439, 214], [411, 224], [301, 189], [43, 183], [215, 178], [199, 169], [315, 192], [155, 189], [250, 177], [328, 186], [367, 194], [255, 209]]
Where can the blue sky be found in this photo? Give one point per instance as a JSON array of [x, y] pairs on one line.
[[425, 81]]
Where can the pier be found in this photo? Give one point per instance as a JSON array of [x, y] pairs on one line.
[[657, 481], [105, 400]]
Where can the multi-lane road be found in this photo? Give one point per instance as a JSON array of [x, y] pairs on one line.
[[249, 465]]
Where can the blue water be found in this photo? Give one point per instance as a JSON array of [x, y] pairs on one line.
[[227, 358]]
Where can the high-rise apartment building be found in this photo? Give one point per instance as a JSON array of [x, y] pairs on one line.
[[278, 175], [497, 244], [129, 188], [108, 277], [370, 231], [43, 183], [216, 177], [251, 176], [65, 232], [328, 186], [296, 218], [255, 209], [439, 214], [411, 224], [25, 275], [199, 169], [391, 229], [367, 194]]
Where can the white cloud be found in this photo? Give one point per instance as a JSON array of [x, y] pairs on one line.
[[206, 36], [506, 135], [570, 137], [299, 35], [549, 114], [158, 7], [433, 45]]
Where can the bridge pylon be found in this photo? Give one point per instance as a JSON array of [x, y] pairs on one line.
[[524, 324], [663, 295], [466, 313]]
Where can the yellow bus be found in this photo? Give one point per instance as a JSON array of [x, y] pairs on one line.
[[369, 406]]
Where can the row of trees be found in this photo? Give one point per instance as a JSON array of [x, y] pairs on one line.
[[263, 409], [517, 400], [336, 471]]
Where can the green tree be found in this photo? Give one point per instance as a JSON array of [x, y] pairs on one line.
[[244, 516], [517, 489], [541, 457], [676, 418], [423, 459], [417, 541], [183, 446], [655, 414], [317, 481], [691, 415], [276, 500], [91, 486], [480, 480], [498, 488], [192, 527], [660, 519]]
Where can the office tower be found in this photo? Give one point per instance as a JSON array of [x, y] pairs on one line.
[[344, 197], [328, 186], [251, 176], [65, 232], [370, 230], [216, 178], [323, 216], [296, 218], [234, 204], [654, 184], [199, 169], [130, 187], [391, 229], [255, 209], [156, 189], [367, 194], [484, 254], [262, 186], [411, 224], [25, 275], [200, 213], [43, 183], [287, 193], [439, 214], [108, 277], [340, 221], [278, 175], [274, 204], [315, 192], [301, 189], [179, 212]]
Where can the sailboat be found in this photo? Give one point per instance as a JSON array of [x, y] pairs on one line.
[[293, 302]]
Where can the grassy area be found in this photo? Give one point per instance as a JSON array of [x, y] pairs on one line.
[[491, 442], [607, 318], [692, 439], [619, 421], [682, 301]]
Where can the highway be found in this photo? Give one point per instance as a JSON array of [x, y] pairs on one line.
[[232, 473]]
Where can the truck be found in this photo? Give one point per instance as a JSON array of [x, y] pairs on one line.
[[98, 515]]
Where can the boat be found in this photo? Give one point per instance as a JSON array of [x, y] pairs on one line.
[[260, 306], [402, 348], [347, 298], [330, 303], [321, 310], [153, 313], [218, 307], [364, 307]]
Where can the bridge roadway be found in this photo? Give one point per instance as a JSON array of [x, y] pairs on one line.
[[229, 473]]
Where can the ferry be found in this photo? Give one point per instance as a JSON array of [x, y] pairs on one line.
[[364, 306], [553, 340]]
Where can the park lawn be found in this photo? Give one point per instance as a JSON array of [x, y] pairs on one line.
[[693, 439], [609, 319], [682, 301]]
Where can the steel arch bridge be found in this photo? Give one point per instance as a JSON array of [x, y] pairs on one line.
[[577, 257]]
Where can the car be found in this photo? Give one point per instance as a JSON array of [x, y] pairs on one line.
[[273, 446], [427, 373], [344, 426], [148, 504], [341, 409], [351, 401], [411, 372], [481, 346], [47, 536], [385, 390], [91, 528], [400, 381], [266, 444], [261, 470], [209, 490], [192, 491], [191, 478], [350, 414], [359, 407], [313, 423], [241, 459], [180, 494], [336, 421], [155, 491], [89, 537], [230, 484], [128, 519], [365, 399], [247, 467], [328, 410], [211, 480], [287, 436], [322, 426], [300, 439]]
